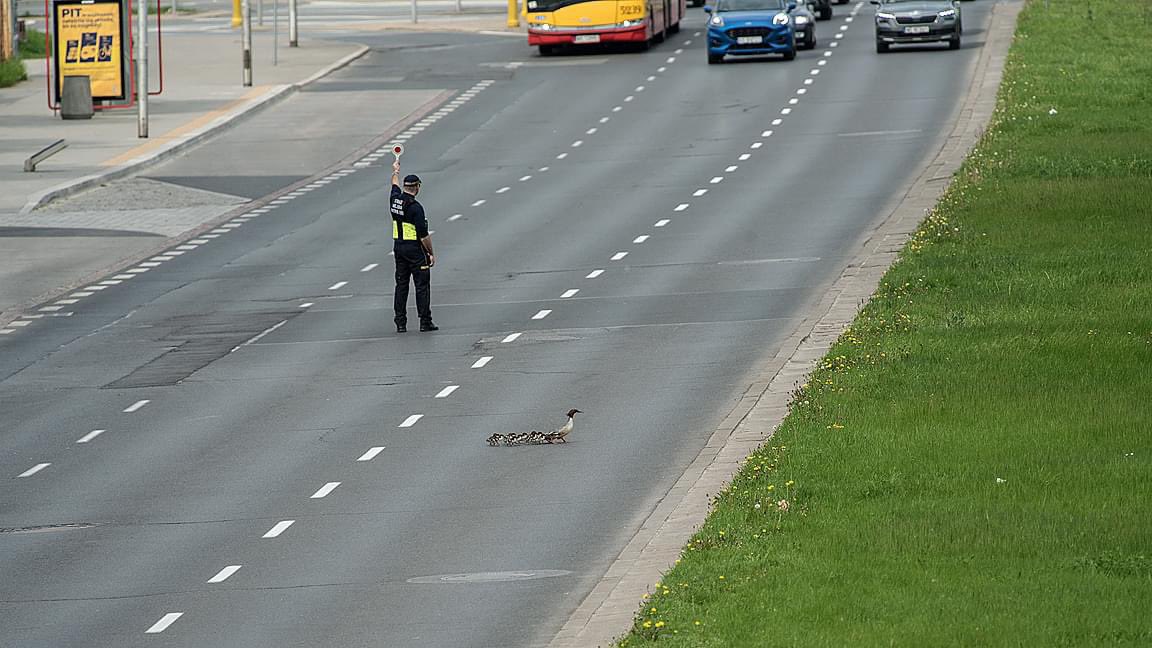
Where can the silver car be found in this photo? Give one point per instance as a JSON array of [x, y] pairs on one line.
[[917, 21]]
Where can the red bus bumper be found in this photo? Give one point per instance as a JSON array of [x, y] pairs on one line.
[[637, 34]]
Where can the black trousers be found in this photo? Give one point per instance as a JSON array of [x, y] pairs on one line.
[[412, 264]]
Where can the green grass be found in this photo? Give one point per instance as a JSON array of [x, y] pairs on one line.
[[34, 45], [971, 461], [11, 72]]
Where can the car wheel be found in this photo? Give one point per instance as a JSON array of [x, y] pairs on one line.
[[954, 44], [713, 59], [812, 41], [790, 55], [826, 13], [881, 47]]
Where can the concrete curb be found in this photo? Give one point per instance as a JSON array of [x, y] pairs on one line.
[[180, 144], [608, 611]]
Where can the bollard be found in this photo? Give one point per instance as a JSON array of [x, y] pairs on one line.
[[76, 98]]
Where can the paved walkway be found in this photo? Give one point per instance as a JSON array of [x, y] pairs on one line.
[[58, 227]]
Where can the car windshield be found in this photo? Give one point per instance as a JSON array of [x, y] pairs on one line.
[[750, 5]]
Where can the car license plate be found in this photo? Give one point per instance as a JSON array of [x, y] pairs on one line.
[[918, 29], [749, 40], [586, 38]]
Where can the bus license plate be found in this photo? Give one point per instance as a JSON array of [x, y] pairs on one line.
[[919, 29], [749, 40], [586, 38]]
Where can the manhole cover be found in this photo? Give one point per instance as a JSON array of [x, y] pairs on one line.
[[45, 528], [491, 577]]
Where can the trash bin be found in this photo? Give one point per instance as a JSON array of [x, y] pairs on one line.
[[76, 98]]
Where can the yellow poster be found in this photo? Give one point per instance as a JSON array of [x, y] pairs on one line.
[[89, 43]]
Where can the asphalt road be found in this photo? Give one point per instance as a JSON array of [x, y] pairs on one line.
[[236, 383]]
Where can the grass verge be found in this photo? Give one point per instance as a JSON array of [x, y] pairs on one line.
[[11, 72], [970, 463], [34, 45]]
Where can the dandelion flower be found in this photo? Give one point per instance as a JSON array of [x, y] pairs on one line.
[[659, 624]]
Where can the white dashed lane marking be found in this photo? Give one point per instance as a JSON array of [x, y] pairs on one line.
[[681, 207], [511, 337], [34, 469], [640, 239], [619, 255], [371, 454], [338, 285], [164, 622], [594, 274], [411, 420], [481, 362], [661, 223], [542, 314], [447, 391], [569, 293], [369, 268], [278, 528], [699, 192], [134, 407], [324, 490], [224, 574], [91, 435]]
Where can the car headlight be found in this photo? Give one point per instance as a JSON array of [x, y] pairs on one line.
[[881, 16], [631, 23], [541, 26], [947, 14], [716, 21], [780, 19], [801, 20]]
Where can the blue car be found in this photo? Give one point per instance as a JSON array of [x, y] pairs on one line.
[[751, 28]]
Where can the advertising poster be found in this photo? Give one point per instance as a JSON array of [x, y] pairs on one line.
[[89, 42]]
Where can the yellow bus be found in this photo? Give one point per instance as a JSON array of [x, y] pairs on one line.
[[556, 23]]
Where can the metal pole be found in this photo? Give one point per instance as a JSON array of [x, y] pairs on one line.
[[260, 12], [142, 68], [175, 7], [293, 41], [275, 31], [415, 18], [246, 40]]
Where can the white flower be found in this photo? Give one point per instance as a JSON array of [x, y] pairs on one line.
[[1001, 481], [1051, 111]]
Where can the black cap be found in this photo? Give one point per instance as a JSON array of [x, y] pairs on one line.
[[411, 179]]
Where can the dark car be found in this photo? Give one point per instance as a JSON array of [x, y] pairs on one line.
[[753, 28], [822, 8], [917, 21]]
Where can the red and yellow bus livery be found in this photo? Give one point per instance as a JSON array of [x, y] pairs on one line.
[[552, 23]]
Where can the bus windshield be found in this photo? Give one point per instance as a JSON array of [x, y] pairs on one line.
[[551, 5]]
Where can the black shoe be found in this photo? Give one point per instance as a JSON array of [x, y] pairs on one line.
[[401, 328], [429, 326]]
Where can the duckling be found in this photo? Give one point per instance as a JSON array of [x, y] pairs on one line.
[[496, 439]]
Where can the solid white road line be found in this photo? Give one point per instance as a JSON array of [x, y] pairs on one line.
[[164, 622], [34, 469], [511, 337], [481, 362], [594, 274], [91, 435], [569, 293], [136, 406], [325, 490], [278, 528], [369, 268], [338, 285], [447, 391], [224, 574], [542, 314], [371, 454], [411, 420]]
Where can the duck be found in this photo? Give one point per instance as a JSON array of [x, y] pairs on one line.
[[560, 435], [534, 437]]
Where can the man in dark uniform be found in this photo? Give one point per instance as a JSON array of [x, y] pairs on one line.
[[412, 247]]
